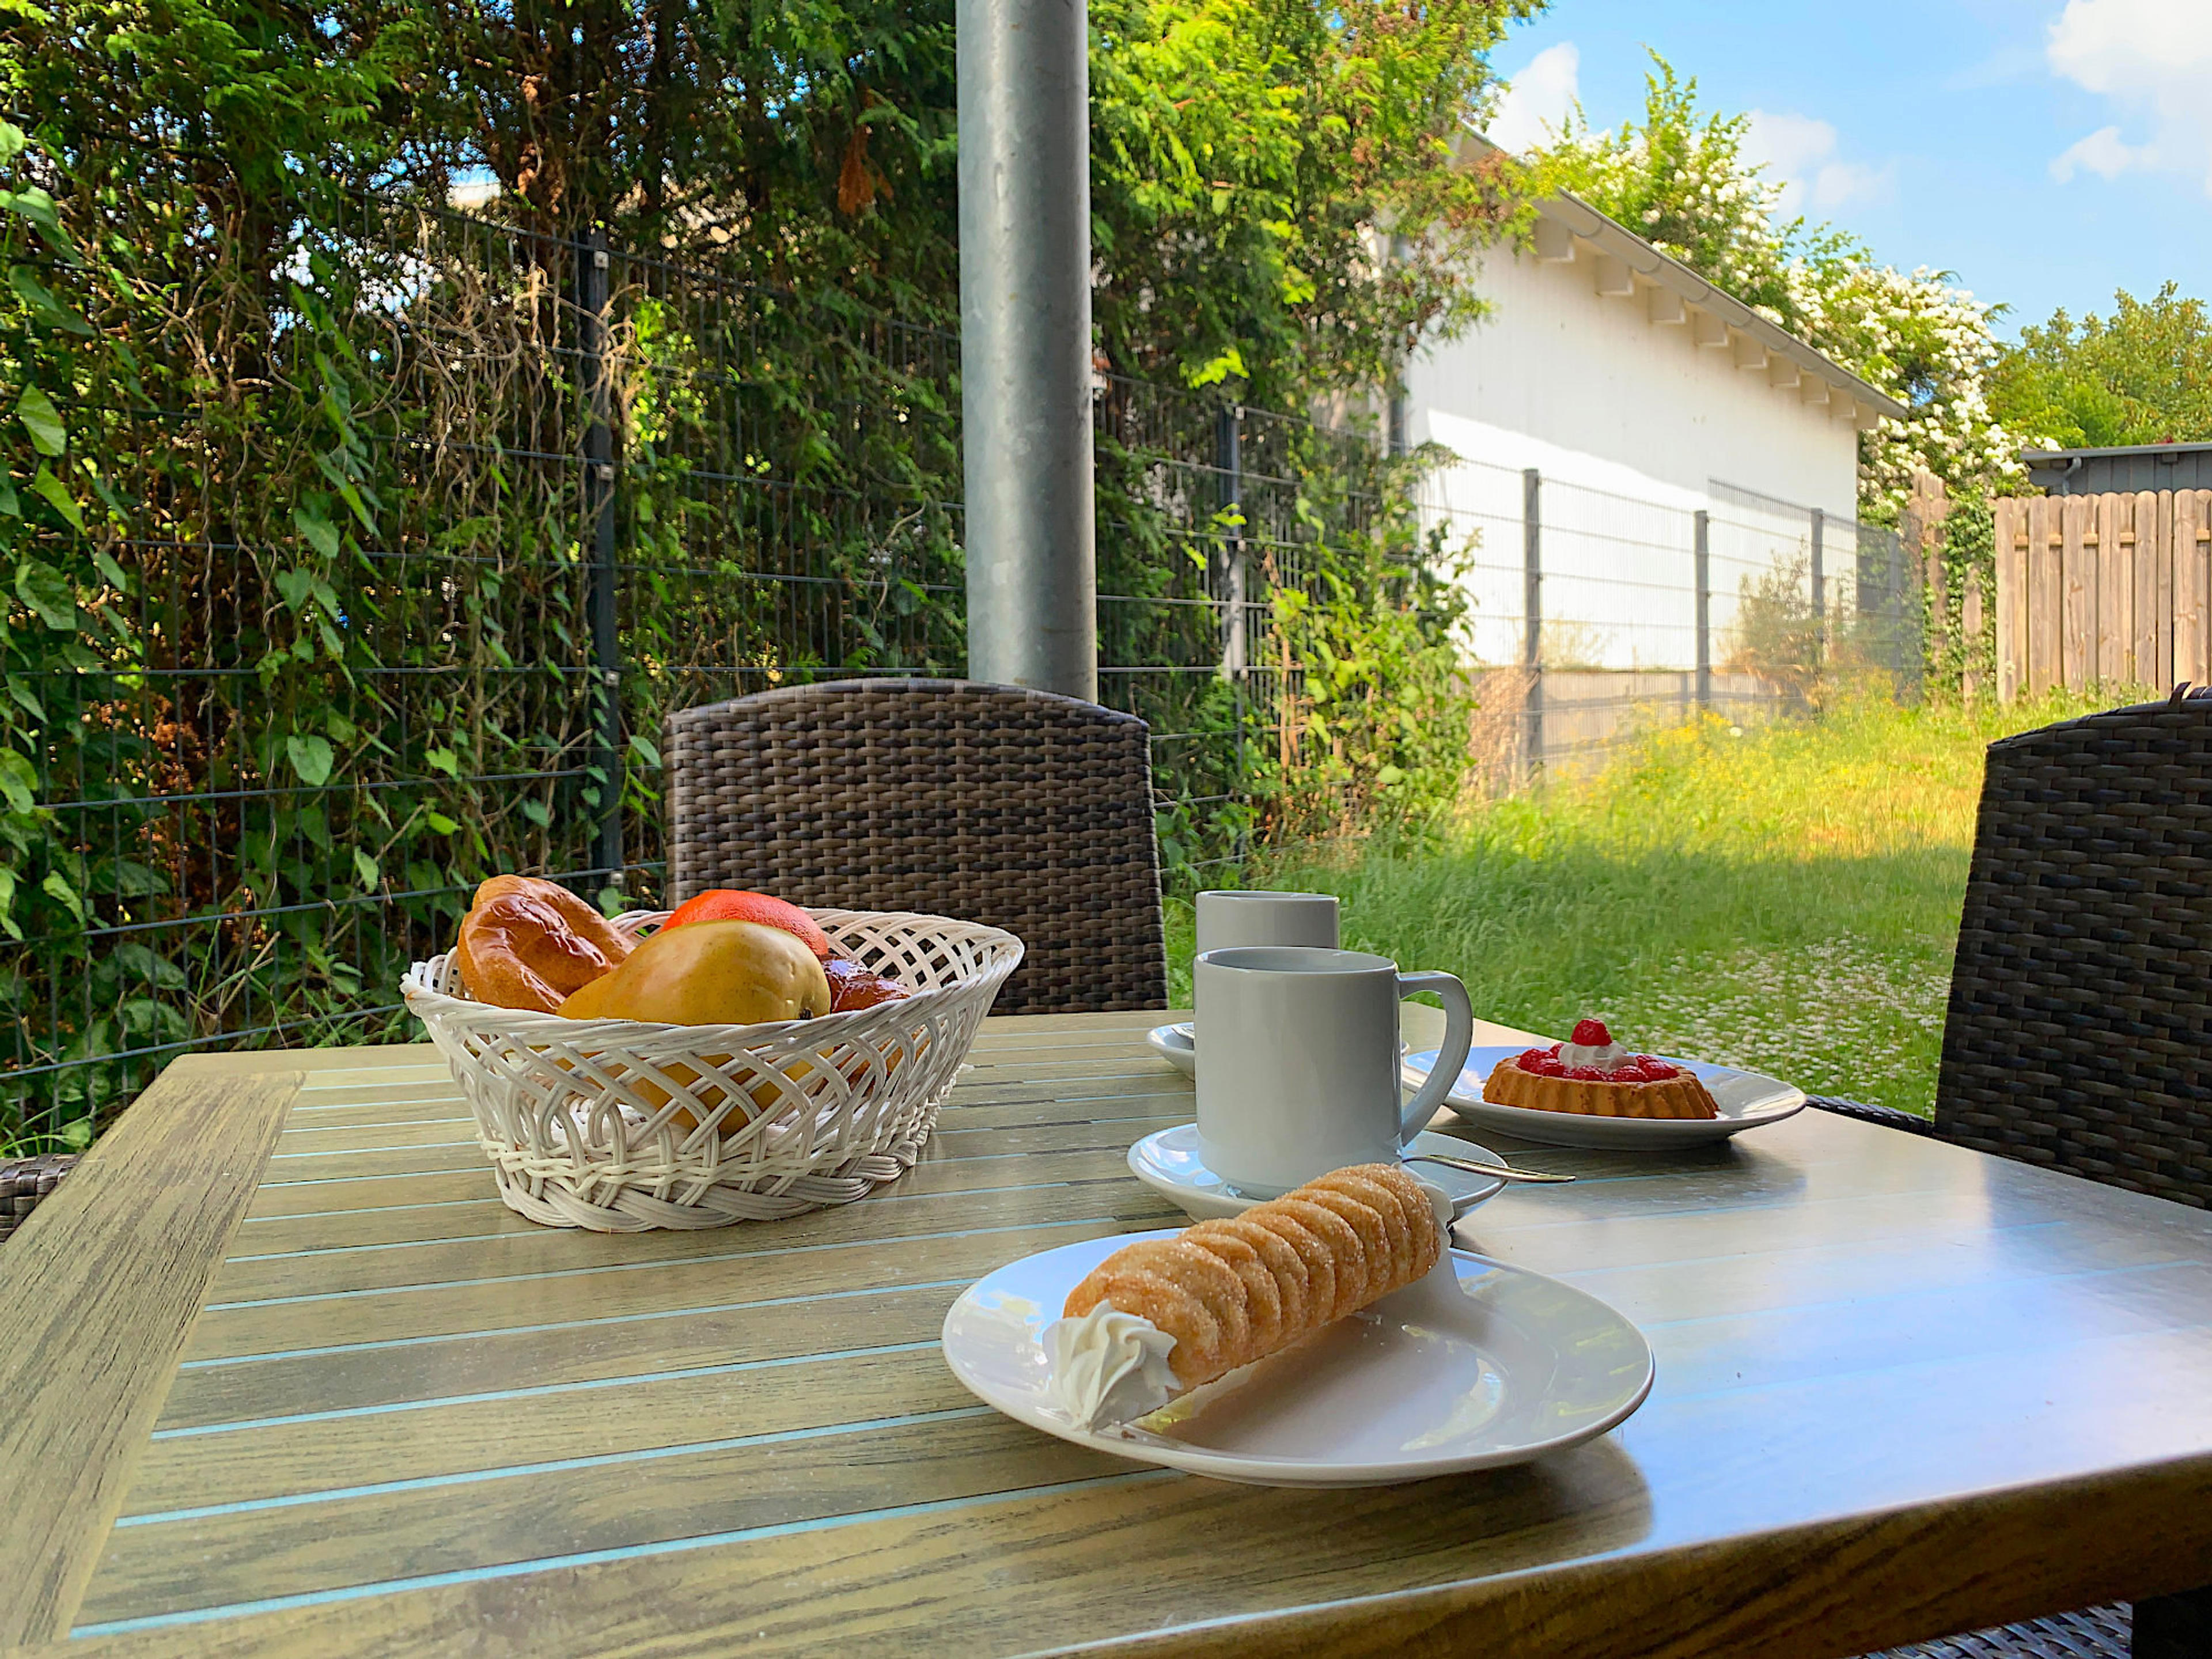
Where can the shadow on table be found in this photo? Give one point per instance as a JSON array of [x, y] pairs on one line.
[[1588, 1501]]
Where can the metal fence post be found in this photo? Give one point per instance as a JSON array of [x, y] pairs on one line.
[[1228, 464], [1532, 608], [1819, 574], [1236, 664], [591, 264], [1702, 558]]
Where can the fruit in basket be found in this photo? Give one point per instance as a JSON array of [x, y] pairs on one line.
[[731, 904], [710, 972], [853, 987], [531, 944]]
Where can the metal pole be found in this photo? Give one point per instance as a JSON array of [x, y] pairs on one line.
[[1819, 574], [599, 512], [1704, 562], [1025, 343], [1235, 662], [1532, 607], [1393, 413], [1229, 463], [1819, 590]]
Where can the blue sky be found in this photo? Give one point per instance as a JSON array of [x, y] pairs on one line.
[[2047, 151]]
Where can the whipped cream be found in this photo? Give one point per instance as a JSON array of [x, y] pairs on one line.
[[1602, 1056], [1108, 1367]]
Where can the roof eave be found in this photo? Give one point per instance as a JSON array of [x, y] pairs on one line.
[[1609, 236]]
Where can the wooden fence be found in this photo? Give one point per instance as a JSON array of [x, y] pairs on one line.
[[2115, 589]]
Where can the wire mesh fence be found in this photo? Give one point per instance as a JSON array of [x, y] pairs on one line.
[[416, 541], [411, 526], [1596, 612]]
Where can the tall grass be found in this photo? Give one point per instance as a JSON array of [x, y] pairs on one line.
[[1785, 898]]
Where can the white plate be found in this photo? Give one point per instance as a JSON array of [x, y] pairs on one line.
[[1478, 1366], [1167, 1162], [1177, 1045], [1746, 1100]]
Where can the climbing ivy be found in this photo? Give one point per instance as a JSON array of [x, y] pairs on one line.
[[301, 554]]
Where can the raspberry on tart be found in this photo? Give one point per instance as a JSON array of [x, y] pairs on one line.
[[1593, 1075]]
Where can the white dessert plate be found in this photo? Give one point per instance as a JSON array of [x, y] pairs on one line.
[[1478, 1366], [1746, 1100], [1167, 1162], [1177, 1045]]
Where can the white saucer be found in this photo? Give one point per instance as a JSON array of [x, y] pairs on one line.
[[1177, 1045], [1167, 1162], [1479, 1364], [1746, 1100]]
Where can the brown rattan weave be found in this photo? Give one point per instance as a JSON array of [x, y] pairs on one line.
[[24, 1181], [2093, 1633], [1017, 809], [2081, 1008]]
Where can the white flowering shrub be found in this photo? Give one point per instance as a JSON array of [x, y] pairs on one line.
[[1679, 178]]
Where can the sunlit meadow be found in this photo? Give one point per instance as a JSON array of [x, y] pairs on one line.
[[1785, 898]]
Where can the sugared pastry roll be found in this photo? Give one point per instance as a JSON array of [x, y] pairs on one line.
[[1164, 1316]]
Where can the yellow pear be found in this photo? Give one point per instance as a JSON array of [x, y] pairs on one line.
[[710, 972]]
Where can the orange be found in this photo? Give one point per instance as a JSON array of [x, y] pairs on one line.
[[731, 904]]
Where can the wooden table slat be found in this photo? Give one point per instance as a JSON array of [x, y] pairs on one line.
[[98, 1289]]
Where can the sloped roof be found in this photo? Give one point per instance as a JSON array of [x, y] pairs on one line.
[[1566, 223]]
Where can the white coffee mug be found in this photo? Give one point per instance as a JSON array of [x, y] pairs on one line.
[[1298, 1071], [1229, 917]]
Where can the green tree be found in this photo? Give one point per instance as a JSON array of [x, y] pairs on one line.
[[1247, 157], [2142, 376]]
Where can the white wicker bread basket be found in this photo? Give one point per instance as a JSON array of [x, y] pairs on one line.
[[620, 1125]]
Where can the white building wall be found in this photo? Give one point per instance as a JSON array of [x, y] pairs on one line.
[[1558, 373], [1630, 423]]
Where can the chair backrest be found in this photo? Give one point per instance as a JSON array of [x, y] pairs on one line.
[[2080, 1028], [1018, 808]]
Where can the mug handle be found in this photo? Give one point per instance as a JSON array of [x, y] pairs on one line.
[[1459, 1037]]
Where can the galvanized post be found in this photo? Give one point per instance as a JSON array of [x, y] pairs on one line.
[[1394, 411], [1702, 560], [1025, 368], [1819, 592], [1820, 572], [1532, 607], [1235, 572], [599, 515], [1229, 465]]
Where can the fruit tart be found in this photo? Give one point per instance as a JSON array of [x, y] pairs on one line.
[[1593, 1075]]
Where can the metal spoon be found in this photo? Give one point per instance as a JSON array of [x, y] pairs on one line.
[[1476, 1166]]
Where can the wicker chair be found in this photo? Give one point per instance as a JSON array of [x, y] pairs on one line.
[[2081, 1008], [1024, 810], [24, 1181]]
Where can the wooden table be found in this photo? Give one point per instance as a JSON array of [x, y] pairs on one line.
[[282, 1375]]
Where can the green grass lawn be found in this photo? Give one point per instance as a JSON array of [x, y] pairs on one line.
[[1785, 898]]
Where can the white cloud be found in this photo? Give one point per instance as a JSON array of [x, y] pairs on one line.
[[2103, 153], [2010, 65], [2151, 58], [1799, 154], [1535, 106], [1842, 182]]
